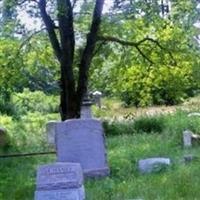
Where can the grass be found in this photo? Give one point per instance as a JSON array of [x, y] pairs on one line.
[[157, 135], [17, 177]]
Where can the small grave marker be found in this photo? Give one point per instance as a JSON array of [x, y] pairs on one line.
[[50, 131], [150, 165], [60, 181], [189, 138]]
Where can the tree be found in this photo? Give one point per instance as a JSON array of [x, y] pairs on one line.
[[72, 92], [138, 21]]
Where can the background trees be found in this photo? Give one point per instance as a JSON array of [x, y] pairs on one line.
[[151, 58]]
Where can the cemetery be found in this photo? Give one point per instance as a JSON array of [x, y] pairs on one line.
[[99, 100], [130, 162]]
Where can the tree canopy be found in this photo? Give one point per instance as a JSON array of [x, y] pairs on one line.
[[145, 52]]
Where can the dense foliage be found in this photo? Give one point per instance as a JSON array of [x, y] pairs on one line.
[[164, 70], [167, 72]]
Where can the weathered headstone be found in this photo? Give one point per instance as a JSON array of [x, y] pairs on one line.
[[50, 131], [60, 181], [194, 114], [150, 165], [69, 194], [82, 141], [86, 112], [97, 98], [187, 138]]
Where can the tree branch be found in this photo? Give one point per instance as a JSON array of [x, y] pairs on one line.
[[50, 28], [87, 55], [137, 45], [74, 3], [126, 43], [24, 1], [66, 29], [30, 37]]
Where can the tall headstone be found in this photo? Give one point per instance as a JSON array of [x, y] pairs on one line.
[[82, 141], [60, 181]]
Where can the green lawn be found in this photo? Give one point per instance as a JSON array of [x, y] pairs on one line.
[[127, 142], [17, 177]]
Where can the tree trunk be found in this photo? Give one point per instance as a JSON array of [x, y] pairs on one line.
[[68, 107], [87, 55], [70, 97]]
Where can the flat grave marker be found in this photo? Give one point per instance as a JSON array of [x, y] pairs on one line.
[[60, 181]]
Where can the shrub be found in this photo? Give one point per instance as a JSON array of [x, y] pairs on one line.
[[156, 85], [35, 101], [149, 124], [118, 128]]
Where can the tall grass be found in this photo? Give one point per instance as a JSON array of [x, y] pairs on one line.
[[127, 142]]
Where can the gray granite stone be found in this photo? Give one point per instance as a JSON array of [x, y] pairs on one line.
[[97, 98], [86, 112], [59, 176], [64, 194], [187, 138], [153, 165], [82, 141], [50, 131]]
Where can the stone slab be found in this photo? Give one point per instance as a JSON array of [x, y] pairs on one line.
[[86, 112], [187, 138], [59, 176], [67, 194], [82, 141], [50, 131], [150, 165]]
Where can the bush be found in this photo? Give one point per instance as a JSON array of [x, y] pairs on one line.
[[35, 101], [28, 133], [149, 124], [157, 85], [118, 128]]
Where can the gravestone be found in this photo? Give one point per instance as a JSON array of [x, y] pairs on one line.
[[150, 165], [60, 181], [189, 138], [97, 98], [194, 114], [86, 112], [82, 141], [50, 131]]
